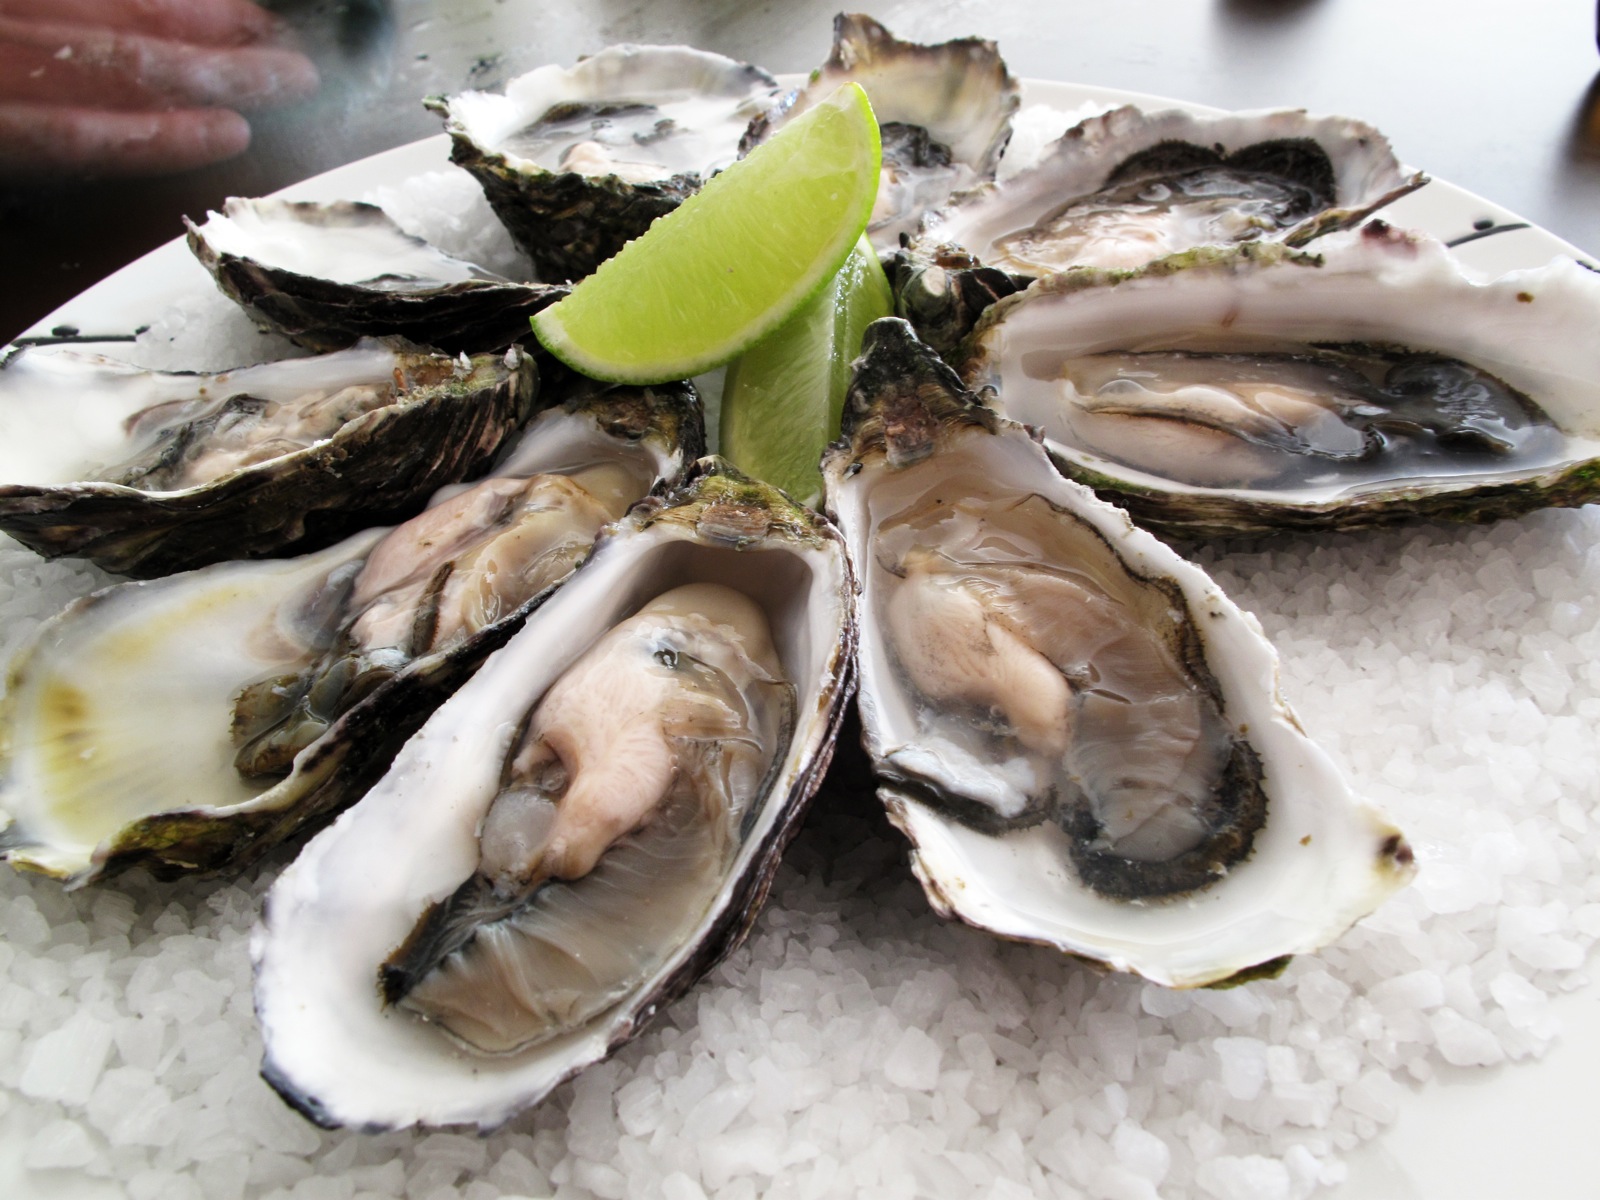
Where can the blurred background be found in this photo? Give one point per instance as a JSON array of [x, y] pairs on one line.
[[1498, 98]]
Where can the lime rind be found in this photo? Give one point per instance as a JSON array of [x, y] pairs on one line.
[[783, 397], [731, 263]]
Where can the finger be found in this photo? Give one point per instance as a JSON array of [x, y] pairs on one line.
[[38, 139], [99, 68], [201, 22]]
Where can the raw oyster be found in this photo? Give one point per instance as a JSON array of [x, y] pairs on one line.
[[146, 473], [1079, 733], [944, 110], [335, 1050], [1260, 388], [196, 720], [577, 161], [1127, 187], [326, 275]]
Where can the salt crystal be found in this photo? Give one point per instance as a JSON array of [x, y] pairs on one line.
[[756, 1149], [1114, 1182], [514, 1172], [66, 1063], [1525, 1006], [1464, 1043], [717, 1111], [1115, 1038], [1415, 990], [1141, 1152], [914, 1061], [1244, 1066], [60, 1144], [679, 1186], [1247, 1177], [1375, 1094], [603, 1180]]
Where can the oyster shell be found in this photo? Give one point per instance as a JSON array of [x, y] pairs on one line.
[[944, 110], [1260, 388], [196, 720], [146, 473], [332, 1047], [326, 275], [1079, 733], [577, 161], [1126, 187]]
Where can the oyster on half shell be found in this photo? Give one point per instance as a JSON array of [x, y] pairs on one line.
[[712, 632], [196, 720], [1260, 388], [146, 472], [1123, 188], [1079, 733], [577, 161], [326, 275]]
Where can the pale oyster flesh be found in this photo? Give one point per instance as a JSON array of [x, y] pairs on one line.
[[187, 448], [621, 808], [1311, 417], [425, 589], [1171, 197]]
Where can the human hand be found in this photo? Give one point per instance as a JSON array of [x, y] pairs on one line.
[[137, 87]]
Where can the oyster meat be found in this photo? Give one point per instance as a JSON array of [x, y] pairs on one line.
[[146, 473], [621, 809], [1081, 736], [196, 720], [326, 275], [578, 834], [1259, 388]]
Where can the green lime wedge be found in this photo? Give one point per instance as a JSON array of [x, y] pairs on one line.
[[733, 260], [783, 396]]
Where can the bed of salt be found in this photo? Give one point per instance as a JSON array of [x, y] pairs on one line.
[[856, 1044]]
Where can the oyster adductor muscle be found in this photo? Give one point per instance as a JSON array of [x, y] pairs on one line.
[[1065, 715], [579, 834], [146, 473]]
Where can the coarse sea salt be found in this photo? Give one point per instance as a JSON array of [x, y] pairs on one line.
[[855, 1044]]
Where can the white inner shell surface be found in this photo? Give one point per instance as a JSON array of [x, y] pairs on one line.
[[358, 889], [1534, 329], [708, 100], [1316, 866], [64, 411], [150, 671], [372, 251]]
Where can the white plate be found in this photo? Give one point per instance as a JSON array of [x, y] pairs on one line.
[[1474, 1133]]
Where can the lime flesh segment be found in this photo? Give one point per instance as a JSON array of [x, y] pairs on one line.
[[733, 261], [783, 397]]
